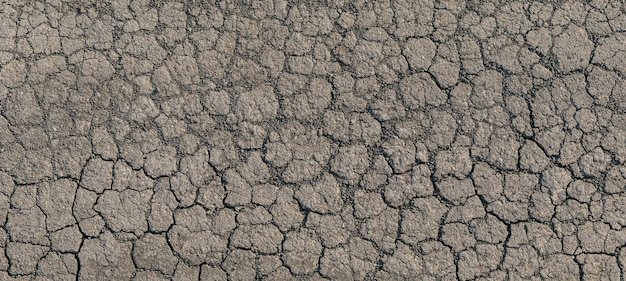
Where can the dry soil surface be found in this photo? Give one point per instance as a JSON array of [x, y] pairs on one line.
[[312, 140]]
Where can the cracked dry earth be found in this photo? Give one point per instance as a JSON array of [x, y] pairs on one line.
[[310, 140]]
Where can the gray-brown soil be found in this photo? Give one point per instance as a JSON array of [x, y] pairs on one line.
[[312, 140]]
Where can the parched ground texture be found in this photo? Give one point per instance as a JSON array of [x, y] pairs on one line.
[[310, 140]]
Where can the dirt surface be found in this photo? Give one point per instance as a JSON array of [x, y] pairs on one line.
[[310, 140]]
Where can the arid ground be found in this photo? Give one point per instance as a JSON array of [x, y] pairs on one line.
[[312, 140]]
